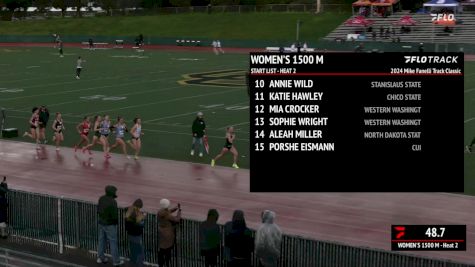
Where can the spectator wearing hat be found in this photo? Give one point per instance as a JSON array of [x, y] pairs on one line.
[[3, 209], [238, 241], [166, 231], [134, 223], [210, 238], [268, 241], [108, 219], [198, 129]]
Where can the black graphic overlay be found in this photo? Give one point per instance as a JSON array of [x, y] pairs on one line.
[[428, 237], [356, 122]]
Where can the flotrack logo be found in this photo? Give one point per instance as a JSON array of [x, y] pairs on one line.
[[443, 17], [431, 59]]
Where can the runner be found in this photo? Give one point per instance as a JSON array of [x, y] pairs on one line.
[[120, 129], [136, 142], [83, 130], [58, 128], [97, 134], [34, 121], [228, 147], [105, 129]]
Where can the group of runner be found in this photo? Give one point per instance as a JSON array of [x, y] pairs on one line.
[[101, 126]]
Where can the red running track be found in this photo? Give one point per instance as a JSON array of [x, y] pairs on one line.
[[359, 219]]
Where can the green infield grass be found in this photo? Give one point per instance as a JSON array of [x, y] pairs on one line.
[[166, 89]]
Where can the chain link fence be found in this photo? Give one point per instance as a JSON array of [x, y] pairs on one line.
[[60, 224]]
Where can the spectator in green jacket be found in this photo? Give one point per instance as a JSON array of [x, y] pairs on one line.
[[198, 129], [108, 218]]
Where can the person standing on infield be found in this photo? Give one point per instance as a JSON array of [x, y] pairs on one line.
[[79, 67], [61, 49], [198, 129]]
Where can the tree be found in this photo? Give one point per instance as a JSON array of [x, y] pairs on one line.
[[108, 5], [180, 3], [79, 4], [14, 4], [42, 4], [61, 4], [224, 2], [200, 2]]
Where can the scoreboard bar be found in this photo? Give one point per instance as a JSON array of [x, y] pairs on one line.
[[356, 122], [428, 237]]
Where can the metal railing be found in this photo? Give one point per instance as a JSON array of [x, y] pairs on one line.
[[60, 224], [12, 258]]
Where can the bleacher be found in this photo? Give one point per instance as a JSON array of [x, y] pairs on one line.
[[424, 32]]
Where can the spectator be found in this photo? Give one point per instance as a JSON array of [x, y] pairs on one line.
[[238, 241], [198, 130], [210, 238], [166, 231], [134, 223], [374, 34], [108, 219], [381, 31], [3, 209], [268, 240]]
